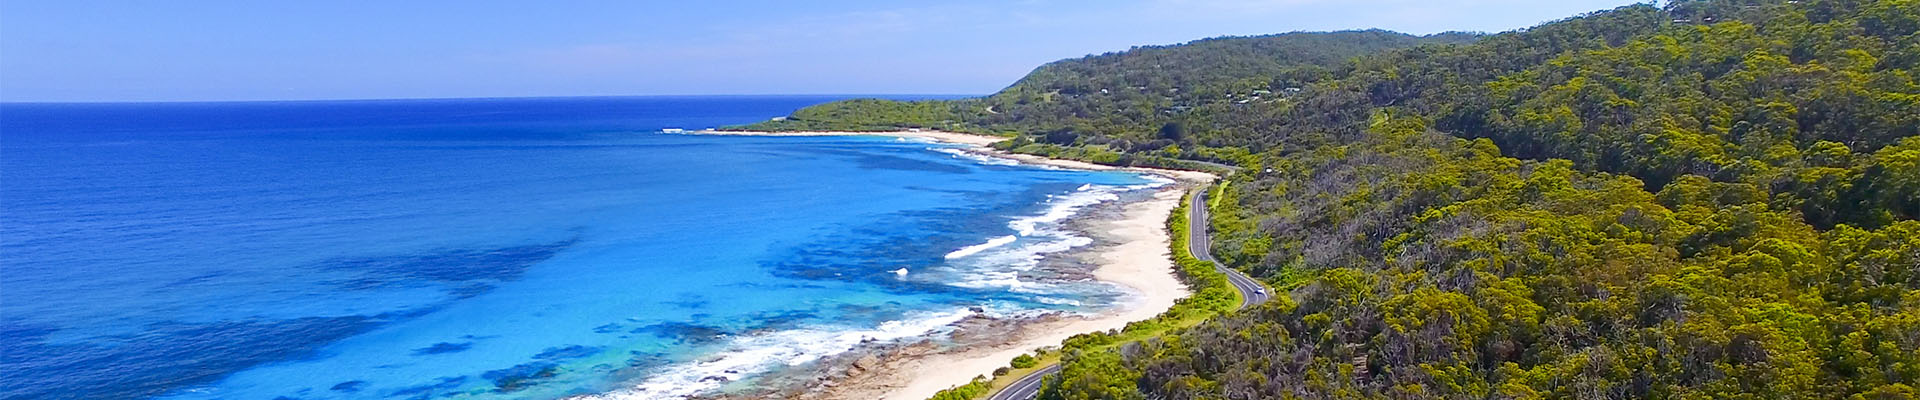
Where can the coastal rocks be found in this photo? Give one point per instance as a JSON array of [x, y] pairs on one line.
[[520, 376], [566, 352], [829, 377], [469, 271], [868, 371], [349, 386], [443, 348], [774, 321], [866, 363], [684, 332], [984, 329], [444, 385]]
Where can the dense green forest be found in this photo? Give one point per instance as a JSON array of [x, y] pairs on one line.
[[1706, 199], [1112, 95]]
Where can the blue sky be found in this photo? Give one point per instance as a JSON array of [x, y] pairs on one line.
[[88, 50]]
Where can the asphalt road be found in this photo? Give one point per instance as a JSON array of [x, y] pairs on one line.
[[1199, 240], [1027, 387]]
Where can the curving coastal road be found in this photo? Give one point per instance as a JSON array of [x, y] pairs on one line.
[[1199, 243], [1027, 387]]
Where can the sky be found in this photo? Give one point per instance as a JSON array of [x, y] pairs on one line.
[[214, 50]]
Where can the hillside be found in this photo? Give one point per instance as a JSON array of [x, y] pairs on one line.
[[1711, 199], [1113, 93]]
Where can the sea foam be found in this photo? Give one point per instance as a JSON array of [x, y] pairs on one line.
[[1062, 207], [974, 249], [755, 354], [991, 264], [1001, 267], [978, 158]]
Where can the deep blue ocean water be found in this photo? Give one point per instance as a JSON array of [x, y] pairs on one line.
[[491, 248]]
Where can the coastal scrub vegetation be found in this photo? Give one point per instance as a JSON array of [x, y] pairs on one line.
[[1212, 295], [1024, 361], [973, 389], [1706, 199]]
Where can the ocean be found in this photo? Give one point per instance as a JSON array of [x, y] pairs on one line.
[[495, 248]]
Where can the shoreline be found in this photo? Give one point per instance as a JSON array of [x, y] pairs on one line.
[[977, 144], [942, 136], [1137, 259]]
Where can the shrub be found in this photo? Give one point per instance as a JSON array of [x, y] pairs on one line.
[[1025, 361], [976, 388]]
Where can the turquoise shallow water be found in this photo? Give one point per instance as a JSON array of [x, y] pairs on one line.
[[524, 248]]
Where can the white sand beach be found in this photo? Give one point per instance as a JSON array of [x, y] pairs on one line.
[[1138, 260], [978, 143], [949, 137]]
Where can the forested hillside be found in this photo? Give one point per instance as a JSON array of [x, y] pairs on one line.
[[1111, 95], [1710, 199]]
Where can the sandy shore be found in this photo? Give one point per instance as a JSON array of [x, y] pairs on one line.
[[914, 370], [1138, 260], [949, 137], [979, 143]]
